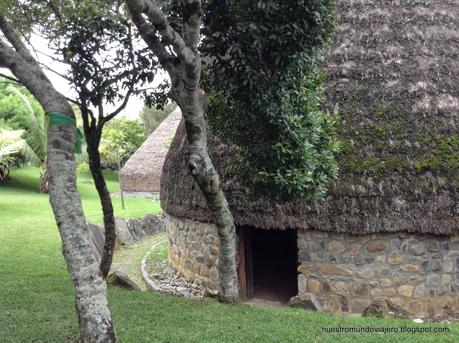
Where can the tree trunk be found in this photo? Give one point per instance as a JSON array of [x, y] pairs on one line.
[[43, 188], [90, 288], [203, 171], [185, 79], [5, 171], [106, 203]]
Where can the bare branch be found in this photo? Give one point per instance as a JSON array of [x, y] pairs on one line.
[[73, 101], [13, 79], [120, 108], [44, 66], [52, 57]]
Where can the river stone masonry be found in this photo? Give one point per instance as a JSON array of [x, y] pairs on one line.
[[345, 273], [342, 273], [193, 251]]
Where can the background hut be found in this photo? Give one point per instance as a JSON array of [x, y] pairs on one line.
[[142, 172], [388, 227]]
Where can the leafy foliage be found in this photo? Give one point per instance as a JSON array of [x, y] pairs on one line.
[[28, 143], [11, 145], [100, 49], [36, 126], [121, 135], [12, 110], [264, 92]]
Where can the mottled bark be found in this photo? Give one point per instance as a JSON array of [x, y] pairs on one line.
[[203, 171], [185, 90], [93, 138], [90, 288], [43, 187]]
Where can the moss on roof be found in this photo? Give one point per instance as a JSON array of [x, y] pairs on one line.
[[392, 76]]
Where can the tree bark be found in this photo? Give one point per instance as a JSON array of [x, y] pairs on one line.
[[90, 289], [93, 139], [203, 171], [185, 90], [43, 188]]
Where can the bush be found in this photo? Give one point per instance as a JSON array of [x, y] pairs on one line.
[[120, 135], [264, 89]]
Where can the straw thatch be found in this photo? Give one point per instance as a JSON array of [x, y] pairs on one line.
[[142, 172], [392, 76]]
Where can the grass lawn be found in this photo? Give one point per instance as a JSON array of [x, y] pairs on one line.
[[36, 297]]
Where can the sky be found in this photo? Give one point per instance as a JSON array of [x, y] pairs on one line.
[[134, 106]]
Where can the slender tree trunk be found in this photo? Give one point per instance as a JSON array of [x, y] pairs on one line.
[[201, 168], [44, 181], [107, 206], [90, 288], [185, 76], [5, 171]]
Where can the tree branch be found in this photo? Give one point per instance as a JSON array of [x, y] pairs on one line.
[[192, 27], [44, 66], [13, 79], [120, 108], [50, 56], [160, 23], [73, 101], [15, 40], [7, 55], [148, 34]]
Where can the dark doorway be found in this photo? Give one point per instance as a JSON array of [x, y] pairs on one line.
[[270, 260]]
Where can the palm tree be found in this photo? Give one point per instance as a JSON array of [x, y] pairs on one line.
[[11, 145], [36, 137]]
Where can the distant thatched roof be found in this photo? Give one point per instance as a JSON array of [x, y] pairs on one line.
[[392, 75], [142, 172]]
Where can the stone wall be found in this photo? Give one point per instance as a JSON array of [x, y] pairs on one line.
[[344, 273], [193, 251]]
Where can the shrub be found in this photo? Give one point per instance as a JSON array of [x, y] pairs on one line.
[[264, 88]]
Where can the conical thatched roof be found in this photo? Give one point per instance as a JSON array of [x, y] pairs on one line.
[[142, 172], [393, 76]]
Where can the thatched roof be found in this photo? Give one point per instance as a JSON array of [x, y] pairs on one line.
[[142, 172], [392, 75]]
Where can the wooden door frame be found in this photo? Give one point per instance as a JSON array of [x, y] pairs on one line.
[[245, 266]]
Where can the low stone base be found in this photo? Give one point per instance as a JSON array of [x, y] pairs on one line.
[[347, 273], [193, 251], [343, 273]]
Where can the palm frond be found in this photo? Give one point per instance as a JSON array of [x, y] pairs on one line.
[[37, 132], [11, 143]]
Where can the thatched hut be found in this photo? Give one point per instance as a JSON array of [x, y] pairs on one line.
[[389, 226], [142, 172]]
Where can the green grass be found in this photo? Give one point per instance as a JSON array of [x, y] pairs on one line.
[[36, 297]]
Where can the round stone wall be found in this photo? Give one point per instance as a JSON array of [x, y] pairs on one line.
[[193, 251], [342, 273], [345, 273]]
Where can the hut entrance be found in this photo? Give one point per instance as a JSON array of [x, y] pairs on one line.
[[268, 264]]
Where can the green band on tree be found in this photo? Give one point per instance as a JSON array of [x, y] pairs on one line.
[[56, 118]]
